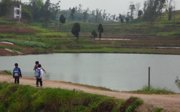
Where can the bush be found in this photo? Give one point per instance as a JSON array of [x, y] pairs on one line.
[[17, 98], [152, 90]]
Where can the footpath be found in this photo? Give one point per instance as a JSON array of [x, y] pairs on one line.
[[171, 103]]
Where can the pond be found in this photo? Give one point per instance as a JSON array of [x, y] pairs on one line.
[[123, 72]]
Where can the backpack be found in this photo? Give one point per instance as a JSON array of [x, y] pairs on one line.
[[38, 73], [16, 72]]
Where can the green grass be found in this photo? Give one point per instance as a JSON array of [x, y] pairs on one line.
[[26, 43], [152, 90], [131, 104], [6, 72], [158, 110], [17, 98], [53, 39]]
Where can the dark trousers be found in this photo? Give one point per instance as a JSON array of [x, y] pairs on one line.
[[16, 79], [39, 81]]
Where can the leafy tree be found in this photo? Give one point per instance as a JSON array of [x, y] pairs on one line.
[[153, 9], [170, 10], [121, 18], [140, 13], [73, 11], [94, 34], [62, 19], [98, 15], [5, 7], [26, 12], [132, 9], [75, 30], [36, 6], [46, 12], [85, 15], [100, 30]]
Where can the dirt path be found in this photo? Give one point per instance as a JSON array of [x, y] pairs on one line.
[[171, 103]]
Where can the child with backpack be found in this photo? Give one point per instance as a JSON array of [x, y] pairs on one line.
[[16, 73], [39, 75]]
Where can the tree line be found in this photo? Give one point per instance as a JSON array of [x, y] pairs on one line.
[[37, 10]]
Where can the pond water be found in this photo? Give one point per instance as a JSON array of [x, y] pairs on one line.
[[122, 72]]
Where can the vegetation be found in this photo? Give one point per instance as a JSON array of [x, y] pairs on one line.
[[6, 72], [152, 90], [100, 30], [76, 30], [158, 110], [128, 34], [15, 98]]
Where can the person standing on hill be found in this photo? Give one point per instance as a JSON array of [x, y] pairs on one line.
[[39, 75], [16, 73]]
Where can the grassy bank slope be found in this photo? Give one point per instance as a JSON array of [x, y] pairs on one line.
[[17, 98], [159, 37]]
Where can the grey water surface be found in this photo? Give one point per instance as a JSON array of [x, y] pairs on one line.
[[123, 72]]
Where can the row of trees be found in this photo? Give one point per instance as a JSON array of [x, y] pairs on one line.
[[37, 10], [151, 10], [76, 28]]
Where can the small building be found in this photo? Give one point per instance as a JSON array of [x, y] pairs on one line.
[[17, 10]]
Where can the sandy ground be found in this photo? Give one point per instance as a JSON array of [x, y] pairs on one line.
[[171, 103]]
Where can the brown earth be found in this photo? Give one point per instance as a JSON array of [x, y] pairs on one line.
[[4, 52], [8, 52], [171, 103], [15, 29]]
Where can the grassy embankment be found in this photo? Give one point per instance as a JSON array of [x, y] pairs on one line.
[[17, 98], [153, 90], [144, 38]]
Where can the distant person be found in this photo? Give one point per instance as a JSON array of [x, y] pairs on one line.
[[36, 66], [39, 75], [16, 73]]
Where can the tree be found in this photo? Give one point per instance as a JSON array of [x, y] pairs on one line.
[[36, 6], [73, 11], [85, 15], [153, 9], [170, 10], [100, 30], [132, 9], [140, 13], [121, 18], [26, 12], [62, 19], [94, 34], [5, 7], [75, 30], [46, 12]]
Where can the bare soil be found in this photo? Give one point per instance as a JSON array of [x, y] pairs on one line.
[[171, 103], [15, 29]]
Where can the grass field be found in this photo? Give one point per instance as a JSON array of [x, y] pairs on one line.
[[159, 37], [17, 98]]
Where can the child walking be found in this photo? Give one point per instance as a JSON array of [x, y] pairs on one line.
[[16, 73], [39, 75]]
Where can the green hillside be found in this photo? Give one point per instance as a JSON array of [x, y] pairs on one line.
[[17, 98], [135, 37]]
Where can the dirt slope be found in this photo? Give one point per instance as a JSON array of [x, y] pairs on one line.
[[171, 103]]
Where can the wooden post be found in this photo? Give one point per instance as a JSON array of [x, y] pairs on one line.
[[149, 78]]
